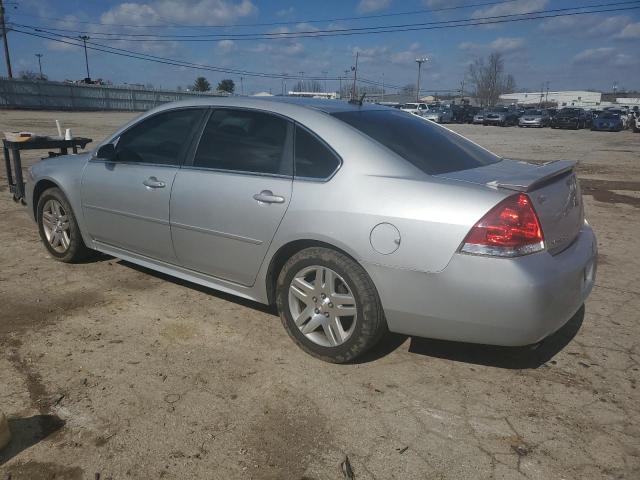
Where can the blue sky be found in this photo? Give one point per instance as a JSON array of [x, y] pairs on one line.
[[578, 52]]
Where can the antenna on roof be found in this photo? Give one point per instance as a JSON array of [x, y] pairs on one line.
[[358, 101]]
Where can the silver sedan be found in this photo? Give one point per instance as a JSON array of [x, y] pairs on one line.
[[354, 220]]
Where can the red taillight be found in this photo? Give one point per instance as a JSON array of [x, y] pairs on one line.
[[510, 229]]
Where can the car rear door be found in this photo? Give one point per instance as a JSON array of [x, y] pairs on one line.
[[228, 201], [125, 200]]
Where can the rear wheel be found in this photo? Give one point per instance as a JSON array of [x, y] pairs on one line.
[[59, 229], [329, 305]]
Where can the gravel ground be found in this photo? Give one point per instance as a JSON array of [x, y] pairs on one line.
[[108, 370]]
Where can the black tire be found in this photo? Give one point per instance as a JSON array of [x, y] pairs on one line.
[[370, 323], [77, 251]]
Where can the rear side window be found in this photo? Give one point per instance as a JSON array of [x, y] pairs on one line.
[[313, 158], [245, 141], [160, 139], [429, 147]]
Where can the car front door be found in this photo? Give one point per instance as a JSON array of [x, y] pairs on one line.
[[125, 199], [227, 203]]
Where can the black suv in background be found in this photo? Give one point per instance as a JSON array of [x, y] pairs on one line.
[[571, 118]]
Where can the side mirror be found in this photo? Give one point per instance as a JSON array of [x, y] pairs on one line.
[[107, 152]]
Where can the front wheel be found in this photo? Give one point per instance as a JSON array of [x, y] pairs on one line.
[[329, 305], [59, 229]]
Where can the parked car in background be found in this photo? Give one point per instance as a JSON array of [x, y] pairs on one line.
[[278, 201], [535, 118], [415, 108], [440, 114], [571, 117], [501, 116], [623, 114], [463, 113], [635, 120], [478, 118], [608, 121]]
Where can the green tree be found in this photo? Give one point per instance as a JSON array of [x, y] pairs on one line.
[[201, 85], [226, 85]]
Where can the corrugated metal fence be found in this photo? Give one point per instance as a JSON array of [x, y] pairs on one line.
[[34, 94]]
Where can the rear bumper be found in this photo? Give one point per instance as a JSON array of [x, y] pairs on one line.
[[530, 123], [494, 301], [494, 121]]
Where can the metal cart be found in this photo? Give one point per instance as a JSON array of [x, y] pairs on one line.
[[12, 149]]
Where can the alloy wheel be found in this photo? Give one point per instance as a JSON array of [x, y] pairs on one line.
[[322, 306], [55, 223]]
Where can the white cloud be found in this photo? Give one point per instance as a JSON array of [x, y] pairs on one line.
[[586, 26], [592, 55], [512, 8], [604, 57], [373, 5], [225, 46], [630, 32], [208, 12], [285, 12], [500, 45]]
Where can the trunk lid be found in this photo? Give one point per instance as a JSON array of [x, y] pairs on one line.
[[552, 187]]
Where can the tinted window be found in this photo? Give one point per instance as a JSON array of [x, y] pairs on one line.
[[313, 158], [160, 139], [246, 141], [429, 147]]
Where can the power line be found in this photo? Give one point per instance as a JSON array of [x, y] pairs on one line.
[[196, 66], [540, 14], [271, 24]]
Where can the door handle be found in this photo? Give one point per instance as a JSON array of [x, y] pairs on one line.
[[267, 196], [153, 182]]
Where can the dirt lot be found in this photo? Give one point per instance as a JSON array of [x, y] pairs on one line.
[[109, 369]]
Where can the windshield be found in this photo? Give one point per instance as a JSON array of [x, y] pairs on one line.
[[533, 112], [426, 145], [570, 111], [410, 105]]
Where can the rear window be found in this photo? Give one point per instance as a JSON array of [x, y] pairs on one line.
[[428, 146]]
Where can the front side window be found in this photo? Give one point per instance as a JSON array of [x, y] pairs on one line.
[[313, 158], [245, 141], [160, 140], [429, 147]]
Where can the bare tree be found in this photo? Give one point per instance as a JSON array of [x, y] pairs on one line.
[[31, 75], [488, 79]]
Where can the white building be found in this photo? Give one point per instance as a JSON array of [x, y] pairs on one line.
[[577, 98], [328, 95]]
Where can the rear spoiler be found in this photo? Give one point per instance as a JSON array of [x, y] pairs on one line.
[[535, 178]]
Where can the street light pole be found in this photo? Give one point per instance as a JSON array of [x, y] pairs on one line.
[[4, 38], [39, 55], [84, 39], [419, 61]]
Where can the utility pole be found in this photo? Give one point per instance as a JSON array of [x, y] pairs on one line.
[[546, 100], [4, 38], [241, 86], [419, 61], [84, 39], [39, 55], [346, 77], [355, 78]]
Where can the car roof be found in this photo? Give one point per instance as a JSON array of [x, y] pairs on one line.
[[267, 103]]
